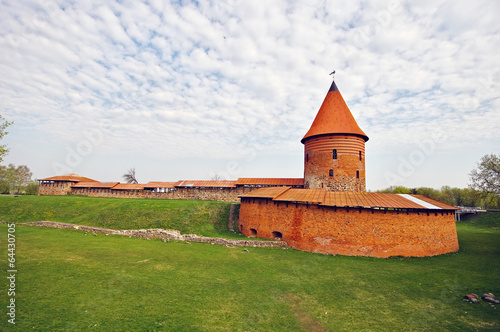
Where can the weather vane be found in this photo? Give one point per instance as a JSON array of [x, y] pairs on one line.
[[332, 73]]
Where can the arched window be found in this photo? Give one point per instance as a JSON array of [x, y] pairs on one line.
[[360, 157], [334, 153], [277, 235], [357, 174], [330, 173]]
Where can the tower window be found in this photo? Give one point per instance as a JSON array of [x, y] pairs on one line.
[[360, 157], [330, 173], [307, 158], [334, 153], [357, 174]]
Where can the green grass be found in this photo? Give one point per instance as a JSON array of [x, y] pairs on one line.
[[71, 281], [208, 218], [490, 219]]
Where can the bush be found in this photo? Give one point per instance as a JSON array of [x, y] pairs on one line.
[[32, 188]]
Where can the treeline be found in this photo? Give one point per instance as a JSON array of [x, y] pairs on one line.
[[17, 180], [454, 196]]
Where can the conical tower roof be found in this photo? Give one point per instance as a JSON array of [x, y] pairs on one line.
[[334, 117]]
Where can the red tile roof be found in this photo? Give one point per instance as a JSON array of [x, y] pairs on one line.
[[154, 184], [369, 200], [270, 182], [347, 199], [267, 192], [312, 196], [207, 184], [128, 186], [95, 185], [334, 117], [69, 178]]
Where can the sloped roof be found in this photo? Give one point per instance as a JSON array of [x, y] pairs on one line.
[[207, 184], [95, 185], [69, 178], [349, 199], [271, 181], [334, 117], [267, 192], [128, 186], [369, 200], [156, 184], [312, 196], [433, 201]]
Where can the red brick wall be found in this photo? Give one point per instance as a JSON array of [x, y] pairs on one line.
[[55, 188], [356, 232], [213, 194], [318, 161]]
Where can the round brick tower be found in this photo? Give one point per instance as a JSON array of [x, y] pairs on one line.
[[334, 148]]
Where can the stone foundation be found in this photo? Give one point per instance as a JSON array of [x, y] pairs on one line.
[[159, 234]]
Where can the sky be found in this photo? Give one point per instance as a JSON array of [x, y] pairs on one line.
[[187, 90]]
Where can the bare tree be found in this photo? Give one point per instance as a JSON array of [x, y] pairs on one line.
[[486, 176], [129, 177], [217, 177]]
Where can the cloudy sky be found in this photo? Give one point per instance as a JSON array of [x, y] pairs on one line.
[[190, 89]]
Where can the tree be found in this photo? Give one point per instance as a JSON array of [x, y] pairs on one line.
[[32, 188], [430, 192], [396, 190], [3, 125], [486, 177], [15, 178], [129, 177], [217, 177]]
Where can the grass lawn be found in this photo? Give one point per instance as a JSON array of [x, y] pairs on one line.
[[207, 218], [70, 281]]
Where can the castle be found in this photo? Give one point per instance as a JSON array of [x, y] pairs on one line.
[[333, 214], [328, 211]]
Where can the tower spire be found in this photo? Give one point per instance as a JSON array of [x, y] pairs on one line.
[[334, 117]]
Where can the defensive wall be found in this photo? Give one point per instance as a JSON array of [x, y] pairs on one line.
[[228, 191], [357, 224], [210, 194]]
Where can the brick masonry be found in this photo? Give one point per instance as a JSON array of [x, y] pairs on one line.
[[345, 173], [55, 188], [213, 194], [351, 231]]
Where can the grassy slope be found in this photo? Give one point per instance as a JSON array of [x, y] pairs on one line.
[[69, 281], [206, 218], [490, 219]]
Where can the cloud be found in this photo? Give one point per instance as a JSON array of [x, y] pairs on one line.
[[174, 80]]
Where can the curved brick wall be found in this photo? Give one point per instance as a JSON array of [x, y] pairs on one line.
[[354, 232], [318, 161]]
